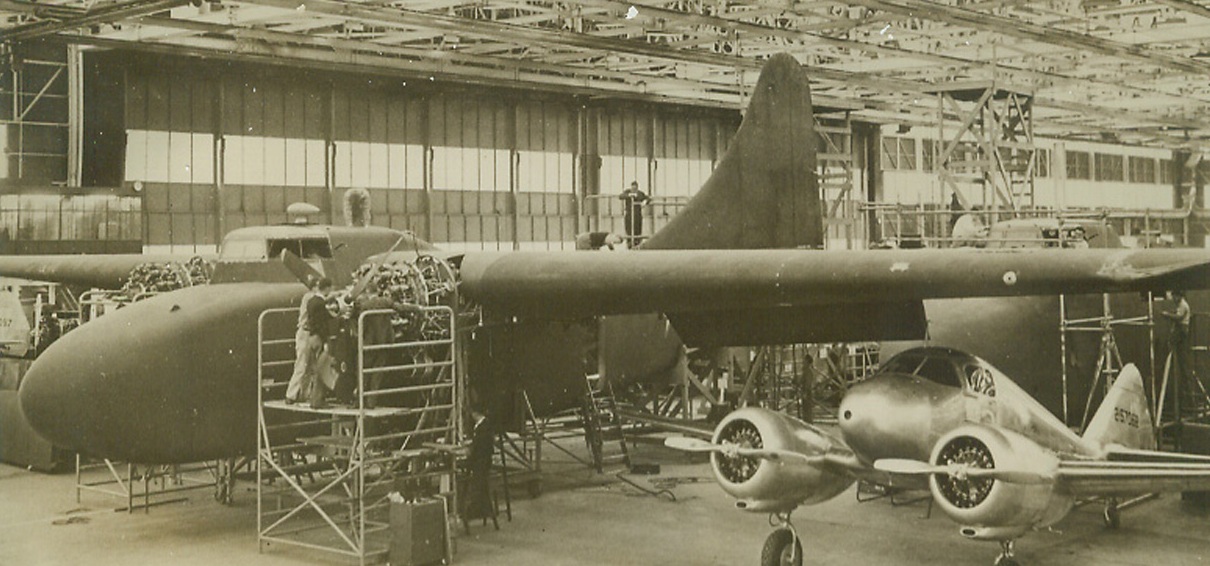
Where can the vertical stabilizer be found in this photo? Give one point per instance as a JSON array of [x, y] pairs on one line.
[[1124, 418], [765, 192]]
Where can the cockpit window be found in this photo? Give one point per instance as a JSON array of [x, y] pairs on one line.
[[306, 248], [979, 380], [903, 363], [244, 250], [940, 371]]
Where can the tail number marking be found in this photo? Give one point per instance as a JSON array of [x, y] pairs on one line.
[[1126, 417]]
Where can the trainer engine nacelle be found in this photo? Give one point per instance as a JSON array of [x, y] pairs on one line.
[[779, 484], [997, 509]]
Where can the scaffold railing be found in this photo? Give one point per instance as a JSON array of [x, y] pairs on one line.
[[326, 474]]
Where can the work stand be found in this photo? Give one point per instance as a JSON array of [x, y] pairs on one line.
[[142, 486], [328, 477], [898, 496]]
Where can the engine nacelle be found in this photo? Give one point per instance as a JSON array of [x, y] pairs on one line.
[[766, 485], [992, 509]]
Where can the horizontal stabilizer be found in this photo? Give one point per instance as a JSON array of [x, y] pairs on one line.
[[1161, 472], [1120, 454]]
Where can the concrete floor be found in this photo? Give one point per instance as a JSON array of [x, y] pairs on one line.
[[585, 518]]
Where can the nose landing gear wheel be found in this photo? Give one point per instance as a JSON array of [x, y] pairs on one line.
[[781, 549]]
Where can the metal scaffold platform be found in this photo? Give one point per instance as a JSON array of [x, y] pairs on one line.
[[143, 486], [990, 148], [327, 476]]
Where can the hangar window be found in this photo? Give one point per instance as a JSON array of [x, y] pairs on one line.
[[1042, 163], [1142, 169], [898, 154], [1165, 171], [1079, 165], [1109, 167]]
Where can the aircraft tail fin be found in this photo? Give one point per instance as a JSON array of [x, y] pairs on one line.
[[1124, 418], [764, 193]]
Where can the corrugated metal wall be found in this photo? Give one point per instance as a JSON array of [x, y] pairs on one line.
[[217, 150]]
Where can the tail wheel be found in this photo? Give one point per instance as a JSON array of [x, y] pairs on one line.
[[781, 549]]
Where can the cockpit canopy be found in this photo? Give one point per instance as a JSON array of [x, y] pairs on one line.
[[253, 253], [260, 249], [946, 366], [262, 243]]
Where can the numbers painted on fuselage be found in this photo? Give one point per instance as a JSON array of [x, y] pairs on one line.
[[1126, 417]]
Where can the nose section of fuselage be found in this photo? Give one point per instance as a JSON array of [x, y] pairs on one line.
[[148, 383], [888, 417]]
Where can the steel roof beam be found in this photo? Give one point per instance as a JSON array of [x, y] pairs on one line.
[[1186, 6], [108, 14], [1012, 27]]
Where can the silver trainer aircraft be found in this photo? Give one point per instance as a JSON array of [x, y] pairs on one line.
[[995, 460]]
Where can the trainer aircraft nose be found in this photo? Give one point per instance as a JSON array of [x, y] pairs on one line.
[[896, 416], [159, 381]]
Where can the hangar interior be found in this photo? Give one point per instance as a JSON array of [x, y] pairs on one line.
[[161, 126]]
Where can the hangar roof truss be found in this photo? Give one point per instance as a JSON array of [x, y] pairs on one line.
[[1119, 70]]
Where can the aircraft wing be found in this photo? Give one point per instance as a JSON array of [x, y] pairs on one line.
[[99, 271], [546, 284], [1146, 472]]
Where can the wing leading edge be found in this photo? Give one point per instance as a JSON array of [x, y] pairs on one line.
[[99, 271], [1157, 472], [555, 285]]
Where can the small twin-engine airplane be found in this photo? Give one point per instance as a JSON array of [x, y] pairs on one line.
[[172, 378], [996, 461]]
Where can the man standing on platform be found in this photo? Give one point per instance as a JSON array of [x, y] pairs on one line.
[[1178, 346], [632, 201], [313, 323]]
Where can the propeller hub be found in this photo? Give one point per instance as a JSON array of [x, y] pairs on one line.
[[739, 433], [959, 456]]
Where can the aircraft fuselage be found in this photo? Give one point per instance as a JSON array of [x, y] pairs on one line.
[[173, 378], [925, 393]]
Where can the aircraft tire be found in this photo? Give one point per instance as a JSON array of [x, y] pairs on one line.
[[1006, 561], [781, 549]]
